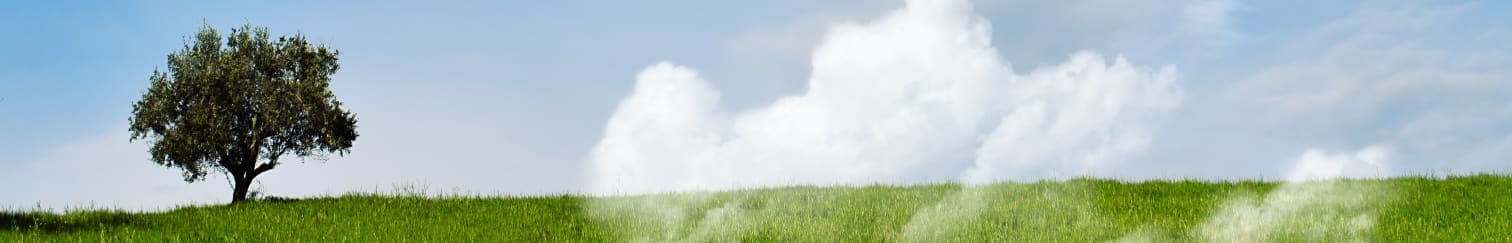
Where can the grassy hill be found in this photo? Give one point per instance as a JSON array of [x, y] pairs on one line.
[[1458, 209]]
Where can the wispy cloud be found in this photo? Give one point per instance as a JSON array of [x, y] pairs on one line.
[[1313, 204]]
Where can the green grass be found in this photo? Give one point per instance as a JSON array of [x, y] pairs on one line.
[[1455, 209]]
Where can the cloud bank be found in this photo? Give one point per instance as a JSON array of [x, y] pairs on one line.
[[917, 95]]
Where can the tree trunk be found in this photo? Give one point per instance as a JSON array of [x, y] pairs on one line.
[[240, 193]]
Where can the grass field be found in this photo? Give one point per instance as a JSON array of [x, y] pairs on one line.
[[1454, 209]]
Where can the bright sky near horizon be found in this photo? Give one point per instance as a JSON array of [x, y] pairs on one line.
[[515, 97]]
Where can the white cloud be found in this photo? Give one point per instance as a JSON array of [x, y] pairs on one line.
[[1317, 164], [1081, 116], [916, 95], [1312, 205], [765, 63]]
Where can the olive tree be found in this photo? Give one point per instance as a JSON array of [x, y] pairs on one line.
[[240, 105]]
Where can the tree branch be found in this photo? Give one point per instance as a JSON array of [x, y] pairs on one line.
[[264, 168]]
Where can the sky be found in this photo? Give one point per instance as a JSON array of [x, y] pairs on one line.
[[553, 97]]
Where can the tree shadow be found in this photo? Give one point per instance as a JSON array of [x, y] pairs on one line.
[[47, 222]]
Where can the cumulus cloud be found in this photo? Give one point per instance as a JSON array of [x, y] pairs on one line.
[[1316, 164], [1082, 116], [917, 95]]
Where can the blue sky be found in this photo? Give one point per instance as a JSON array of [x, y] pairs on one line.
[[512, 97]]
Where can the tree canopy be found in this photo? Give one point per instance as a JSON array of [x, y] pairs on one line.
[[238, 106]]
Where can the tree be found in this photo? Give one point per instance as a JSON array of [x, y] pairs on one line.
[[238, 108]]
